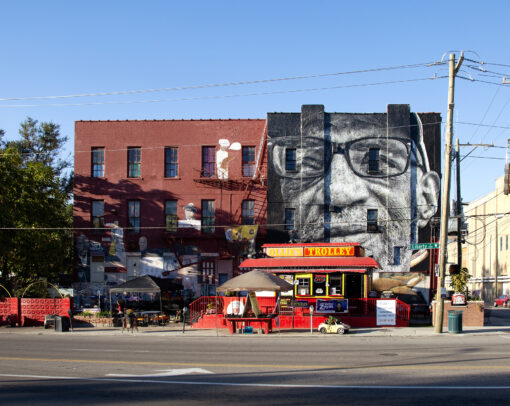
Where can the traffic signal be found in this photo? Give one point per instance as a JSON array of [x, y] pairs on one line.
[[454, 269], [506, 188]]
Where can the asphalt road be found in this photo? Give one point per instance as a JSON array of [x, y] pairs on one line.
[[322, 369]]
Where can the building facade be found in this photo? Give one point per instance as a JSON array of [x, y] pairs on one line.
[[178, 199], [373, 179], [486, 251]]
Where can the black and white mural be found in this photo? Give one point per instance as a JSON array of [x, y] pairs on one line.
[[367, 178]]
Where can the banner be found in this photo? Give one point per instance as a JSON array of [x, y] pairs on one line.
[[241, 233]]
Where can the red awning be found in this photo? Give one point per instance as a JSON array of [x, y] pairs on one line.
[[311, 262], [331, 270]]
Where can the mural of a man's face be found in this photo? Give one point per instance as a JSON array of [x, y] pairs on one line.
[[356, 183]]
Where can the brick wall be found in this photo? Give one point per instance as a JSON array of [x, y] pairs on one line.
[[472, 313]]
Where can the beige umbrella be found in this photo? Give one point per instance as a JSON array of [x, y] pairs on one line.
[[255, 281]]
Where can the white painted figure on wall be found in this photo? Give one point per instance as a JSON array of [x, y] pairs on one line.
[[223, 158], [190, 221]]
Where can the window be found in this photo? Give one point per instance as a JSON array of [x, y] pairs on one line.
[[97, 162], [134, 162], [501, 243], [335, 285], [171, 163], [208, 162], [303, 286], [319, 285], [134, 216], [372, 221], [289, 219], [171, 215], [208, 271], [396, 255], [290, 159], [248, 162], [222, 278], [507, 242], [373, 160], [98, 215], [208, 216], [248, 212]]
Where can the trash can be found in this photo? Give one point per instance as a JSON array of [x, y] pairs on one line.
[[61, 323], [454, 321]]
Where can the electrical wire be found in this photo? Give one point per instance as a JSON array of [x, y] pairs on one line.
[[224, 84], [221, 96]]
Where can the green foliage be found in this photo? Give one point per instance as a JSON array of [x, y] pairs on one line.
[[459, 281], [84, 314], [36, 220], [331, 320]]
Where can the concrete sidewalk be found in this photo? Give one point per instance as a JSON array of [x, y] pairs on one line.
[[177, 330]]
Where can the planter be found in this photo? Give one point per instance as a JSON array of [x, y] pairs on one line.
[[472, 313], [93, 321]]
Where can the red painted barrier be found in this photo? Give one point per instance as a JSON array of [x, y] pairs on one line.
[[210, 312], [31, 312]]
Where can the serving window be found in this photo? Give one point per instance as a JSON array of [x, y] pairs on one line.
[[303, 286], [319, 285], [335, 285]]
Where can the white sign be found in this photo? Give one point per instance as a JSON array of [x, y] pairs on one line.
[[235, 307], [386, 312]]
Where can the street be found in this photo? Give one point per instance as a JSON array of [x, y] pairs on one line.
[[463, 369]]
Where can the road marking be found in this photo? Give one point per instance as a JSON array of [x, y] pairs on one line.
[[261, 385], [97, 350], [441, 366], [169, 372]]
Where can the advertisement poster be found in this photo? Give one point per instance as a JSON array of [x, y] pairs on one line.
[[386, 312], [332, 306]]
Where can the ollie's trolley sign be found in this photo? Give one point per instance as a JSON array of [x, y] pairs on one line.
[[318, 251]]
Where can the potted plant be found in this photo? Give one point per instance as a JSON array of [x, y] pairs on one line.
[[210, 309]]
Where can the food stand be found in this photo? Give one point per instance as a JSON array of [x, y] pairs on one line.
[[334, 278]]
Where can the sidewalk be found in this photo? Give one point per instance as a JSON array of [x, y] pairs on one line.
[[177, 330]]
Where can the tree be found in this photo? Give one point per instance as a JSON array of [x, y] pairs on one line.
[[36, 221], [459, 280]]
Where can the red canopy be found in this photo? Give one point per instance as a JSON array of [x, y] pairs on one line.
[[312, 262]]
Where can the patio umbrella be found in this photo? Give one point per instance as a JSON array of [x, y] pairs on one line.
[[255, 281]]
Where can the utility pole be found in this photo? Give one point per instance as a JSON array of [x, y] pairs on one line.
[[459, 208], [443, 238]]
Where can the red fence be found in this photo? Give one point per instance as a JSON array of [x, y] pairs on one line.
[[31, 312], [362, 312]]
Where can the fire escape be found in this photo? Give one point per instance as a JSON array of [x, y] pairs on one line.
[[253, 188]]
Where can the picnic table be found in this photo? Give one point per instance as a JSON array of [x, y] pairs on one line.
[[235, 322]]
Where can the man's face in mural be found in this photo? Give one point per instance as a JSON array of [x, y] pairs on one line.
[[344, 178]]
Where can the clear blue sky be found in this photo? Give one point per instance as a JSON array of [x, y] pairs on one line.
[[55, 48]]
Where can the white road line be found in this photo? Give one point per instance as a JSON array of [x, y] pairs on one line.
[[168, 372], [99, 350], [262, 385]]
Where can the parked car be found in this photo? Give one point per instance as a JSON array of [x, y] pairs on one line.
[[336, 328], [502, 301]]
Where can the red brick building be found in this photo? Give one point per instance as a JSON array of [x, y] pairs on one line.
[[162, 197]]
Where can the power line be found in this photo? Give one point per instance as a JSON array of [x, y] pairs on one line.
[[483, 157], [479, 80], [224, 84], [221, 96]]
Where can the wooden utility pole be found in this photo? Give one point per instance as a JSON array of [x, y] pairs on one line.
[[443, 238], [459, 208]]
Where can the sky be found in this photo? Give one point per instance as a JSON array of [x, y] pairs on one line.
[[192, 60]]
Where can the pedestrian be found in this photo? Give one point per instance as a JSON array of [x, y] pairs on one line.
[[125, 320], [132, 320]]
